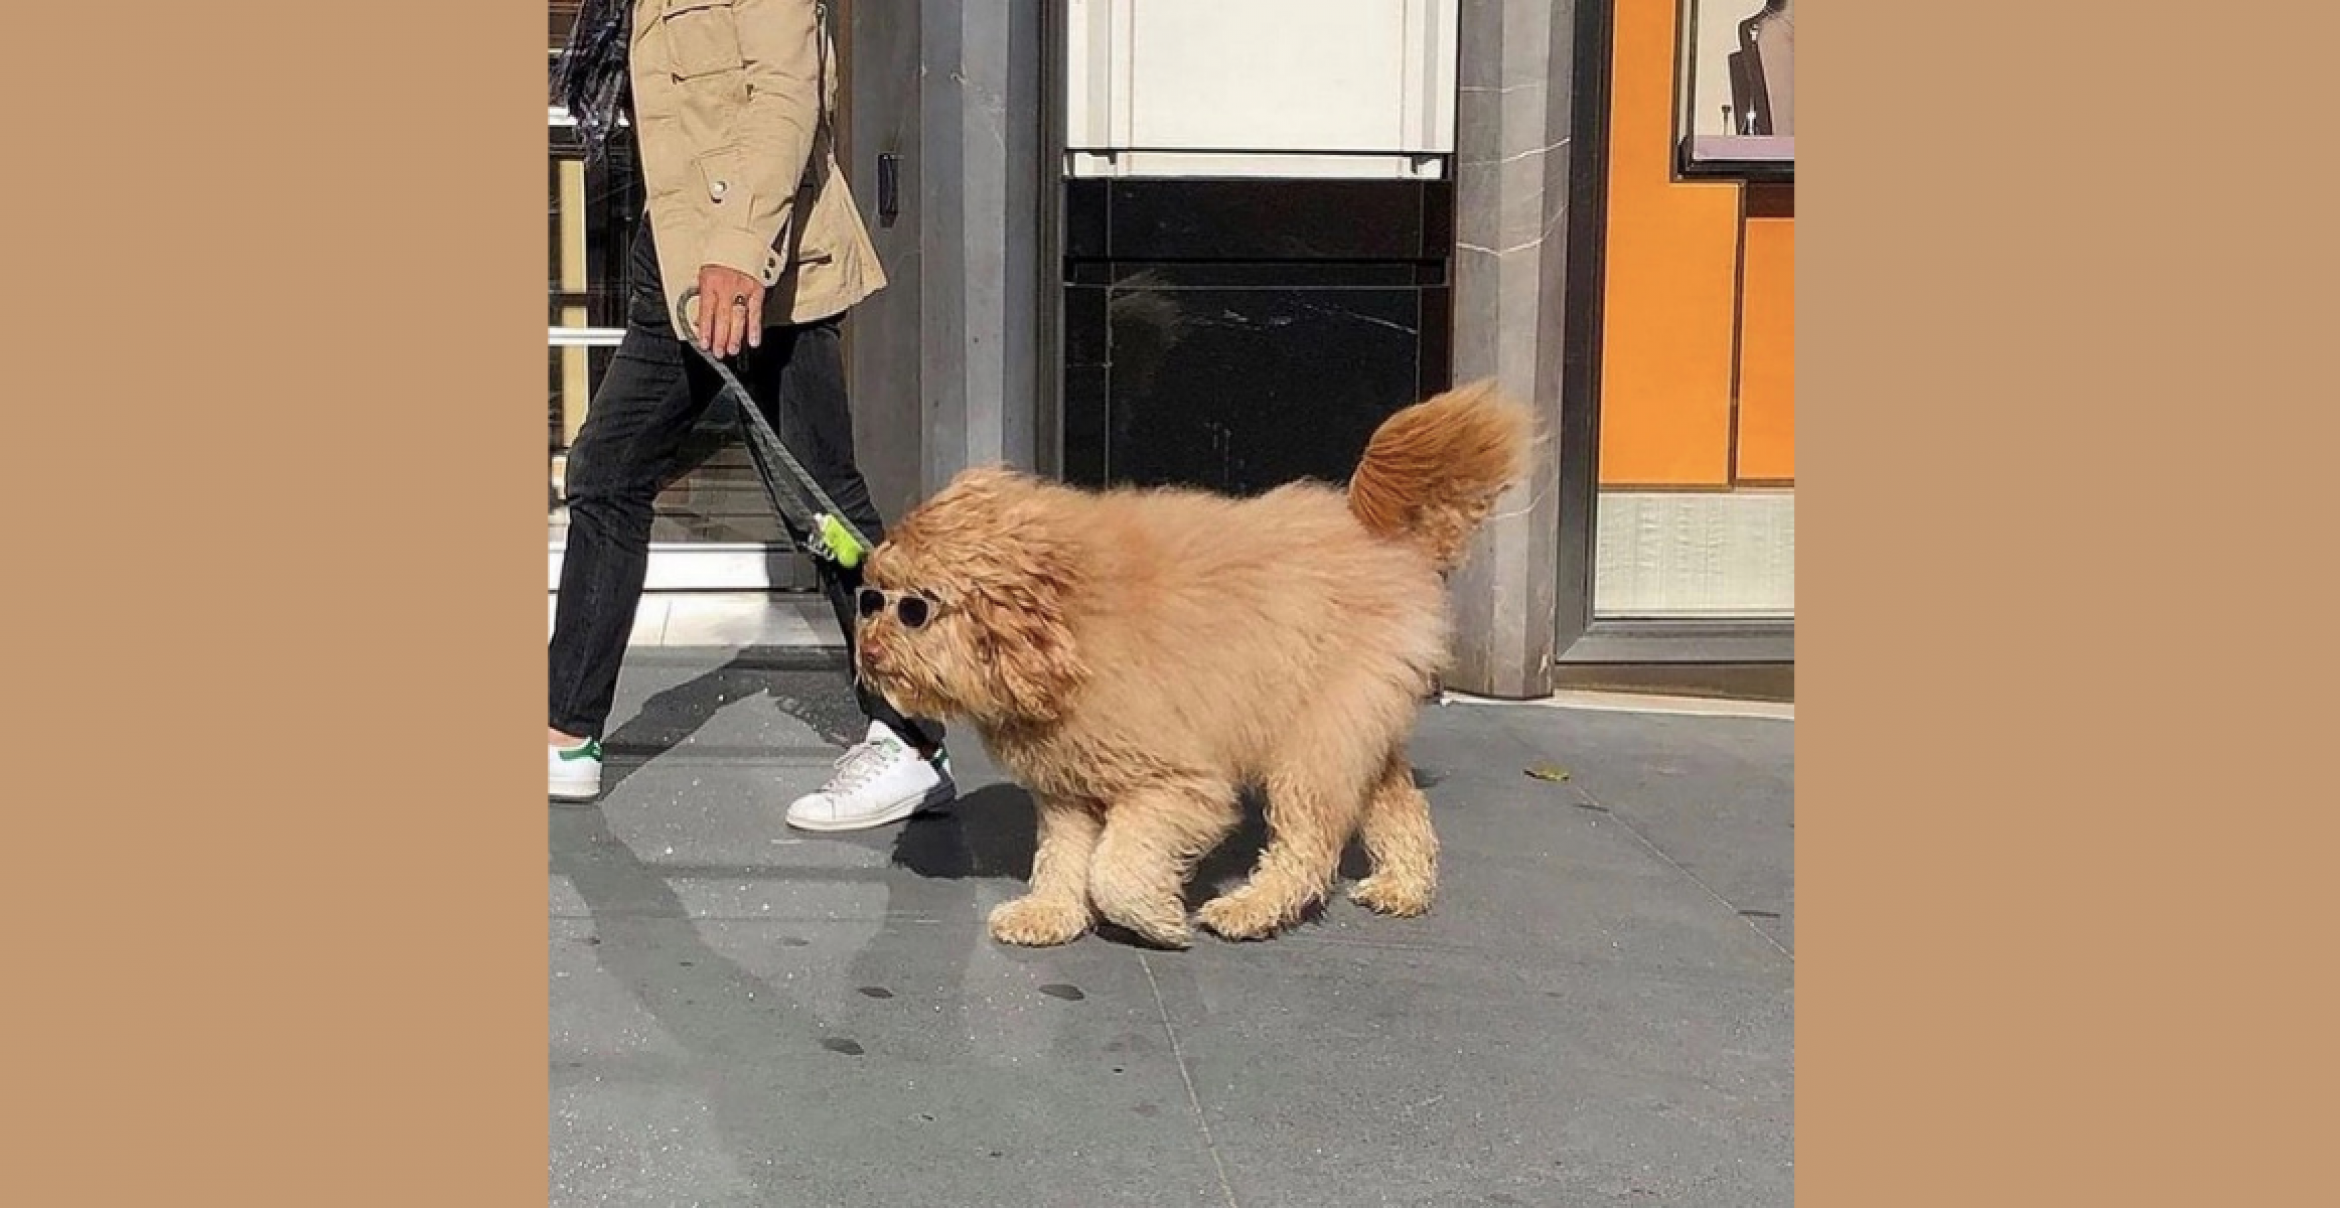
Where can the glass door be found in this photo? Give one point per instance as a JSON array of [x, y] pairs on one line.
[[714, 529]]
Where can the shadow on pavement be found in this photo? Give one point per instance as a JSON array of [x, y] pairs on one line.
[[804, 684], [746, 1039]]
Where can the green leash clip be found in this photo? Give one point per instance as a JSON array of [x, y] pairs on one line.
[[836, 541]]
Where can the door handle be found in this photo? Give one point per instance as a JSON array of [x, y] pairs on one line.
[[889, 186]]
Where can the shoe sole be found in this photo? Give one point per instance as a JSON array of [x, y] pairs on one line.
[[580, 792], [935, 797]]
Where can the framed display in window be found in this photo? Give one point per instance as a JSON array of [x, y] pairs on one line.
[[1737, 110]]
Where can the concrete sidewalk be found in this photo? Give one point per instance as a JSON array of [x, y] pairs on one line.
[[1600, 1010]]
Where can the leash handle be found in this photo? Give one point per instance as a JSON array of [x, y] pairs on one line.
[[826, 533]]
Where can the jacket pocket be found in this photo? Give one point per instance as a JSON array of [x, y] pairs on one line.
[[723, 180], [702, 37]]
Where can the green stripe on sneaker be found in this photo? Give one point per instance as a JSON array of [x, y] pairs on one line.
[[590, 750]]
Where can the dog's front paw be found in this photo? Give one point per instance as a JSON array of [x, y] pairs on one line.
[[1242, 915], [1036, 922], [1163, 926], [1387, 895], [1150, 911]]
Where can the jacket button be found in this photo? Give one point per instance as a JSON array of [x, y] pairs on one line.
[[717, 189]]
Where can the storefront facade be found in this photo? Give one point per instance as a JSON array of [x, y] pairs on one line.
[[1215, 242]]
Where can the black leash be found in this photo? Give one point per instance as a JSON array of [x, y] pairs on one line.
[[820, 525]]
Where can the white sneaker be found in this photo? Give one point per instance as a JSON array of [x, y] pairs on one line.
[[883, 780], [575, 771]]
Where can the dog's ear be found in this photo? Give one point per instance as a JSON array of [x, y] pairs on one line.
[[1027, 575], [993, 535], [1031, 654]]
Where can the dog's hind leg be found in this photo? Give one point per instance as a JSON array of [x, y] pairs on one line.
[[1056, 911], [1400, 843], [1152, 839], [1312, 808]]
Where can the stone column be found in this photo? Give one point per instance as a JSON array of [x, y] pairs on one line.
[[884, 331], [979, 230], [1512, 154], [945, 360]]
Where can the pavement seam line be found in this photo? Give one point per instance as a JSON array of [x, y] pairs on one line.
[[1627, 826], [1178, 1054], [1694, 878]]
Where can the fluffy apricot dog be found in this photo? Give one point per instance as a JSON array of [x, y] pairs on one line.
[[1136, 658]]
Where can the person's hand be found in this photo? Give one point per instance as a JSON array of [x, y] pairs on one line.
[[731, 310]]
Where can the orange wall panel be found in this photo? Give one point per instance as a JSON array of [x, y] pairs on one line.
[[1671, 293], [1767, 352]]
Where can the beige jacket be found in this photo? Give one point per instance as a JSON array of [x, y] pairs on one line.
[[732, 107]]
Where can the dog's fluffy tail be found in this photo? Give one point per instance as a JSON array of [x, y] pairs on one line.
[[1433, 471]]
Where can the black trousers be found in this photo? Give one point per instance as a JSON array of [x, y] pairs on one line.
[[634, 434]]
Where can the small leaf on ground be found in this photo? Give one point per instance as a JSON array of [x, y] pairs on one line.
[[1548, 771]]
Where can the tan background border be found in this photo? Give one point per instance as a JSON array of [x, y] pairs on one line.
[[2064, 291], [276, 887], [2067, 836]]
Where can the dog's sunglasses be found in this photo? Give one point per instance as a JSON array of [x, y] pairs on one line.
[[910, 608]]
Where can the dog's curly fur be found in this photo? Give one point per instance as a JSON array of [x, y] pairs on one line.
[[1136, 658]]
